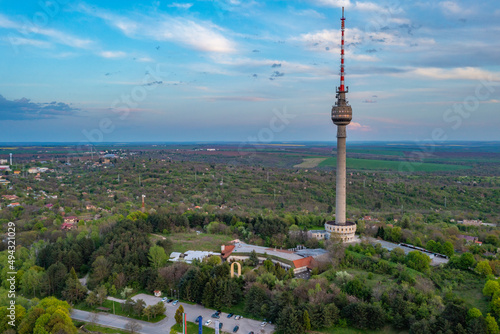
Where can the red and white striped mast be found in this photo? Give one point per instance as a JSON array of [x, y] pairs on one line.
[[342, 86]]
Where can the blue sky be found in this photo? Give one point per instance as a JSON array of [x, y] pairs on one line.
[[247, 70]]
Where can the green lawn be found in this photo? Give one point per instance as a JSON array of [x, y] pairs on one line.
[[472, 293], [377, 152], [369, 164], [192, 328], [105, 330], [203, 242]]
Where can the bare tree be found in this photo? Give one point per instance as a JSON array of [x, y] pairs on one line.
[[133, 326]]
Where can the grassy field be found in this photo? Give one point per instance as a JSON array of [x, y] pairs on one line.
[[202, 242], [192, 328], [377, 152], [104, 330], [310, 162], [369, 164], [472, 293]]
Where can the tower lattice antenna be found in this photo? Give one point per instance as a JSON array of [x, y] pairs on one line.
[[342, 73]]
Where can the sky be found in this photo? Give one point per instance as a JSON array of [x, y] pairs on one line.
[[247, 71]]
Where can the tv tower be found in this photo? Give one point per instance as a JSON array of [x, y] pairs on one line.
[[341, 117]]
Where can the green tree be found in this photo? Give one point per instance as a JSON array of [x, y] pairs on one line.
[[307, 321], [157, 256], [101, 268], [74, 290], [495, 305], [148, 312], [466, 261], [6, 321], [102, 294], [396, 234], [178, 315], [418, 261], [288, 321], [31, 282], [483, 268], [474, 313], [50, 315], [139, 306], [92, 299], [158, 308], [448, 249], [490, 288], [491, 325], [253, 259], [214, 260]]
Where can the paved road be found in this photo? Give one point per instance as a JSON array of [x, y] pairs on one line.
[[116, 321], [192, 312]]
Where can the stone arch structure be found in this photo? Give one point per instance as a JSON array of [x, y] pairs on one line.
[[232, 269]]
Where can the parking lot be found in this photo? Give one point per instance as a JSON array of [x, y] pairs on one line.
[[193, 311]]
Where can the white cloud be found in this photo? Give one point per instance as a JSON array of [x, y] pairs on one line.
[[16, 40], [358, 127], [334, 3], [112, 54], [181, 5], [308, 12], [459, 73], [453, 8], [144, 59], [373, 7], [355, 38], [203, 36], [55, 35]]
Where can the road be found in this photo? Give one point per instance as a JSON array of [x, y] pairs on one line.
[[192, 312]]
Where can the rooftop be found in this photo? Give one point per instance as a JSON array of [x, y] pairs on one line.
[[332, 222]]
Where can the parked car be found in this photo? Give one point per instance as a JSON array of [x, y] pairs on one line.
[[169, 300], [220, 325], [235, 329], [164, 299], [251, 333], [215, 316], [175, 302], [208, 322], [198, 319], [236, 317], [263, 324], [230, 315]]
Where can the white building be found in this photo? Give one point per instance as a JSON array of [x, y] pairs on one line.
[[189, 256]]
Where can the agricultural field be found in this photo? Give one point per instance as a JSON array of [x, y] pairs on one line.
[[310, 162], [391, 165]]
